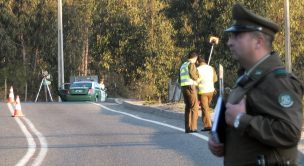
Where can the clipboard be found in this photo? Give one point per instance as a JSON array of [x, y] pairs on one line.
[[219, 123]]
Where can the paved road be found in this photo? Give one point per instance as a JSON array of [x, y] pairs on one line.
[[174, 111], [97, 134]]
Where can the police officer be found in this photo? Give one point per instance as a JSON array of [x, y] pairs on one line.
[[188, 77], [264, 110], [207, 78]]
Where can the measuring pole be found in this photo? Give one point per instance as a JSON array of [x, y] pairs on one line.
[[213, 40], [210, 54]]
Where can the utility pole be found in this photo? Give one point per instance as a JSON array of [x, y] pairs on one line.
[[60, 46], [287, 37]]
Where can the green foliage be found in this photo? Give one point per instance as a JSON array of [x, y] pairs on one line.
[[137, 46]]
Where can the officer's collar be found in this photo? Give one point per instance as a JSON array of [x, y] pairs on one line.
[[262, 67], [265, 65], [248, 72]]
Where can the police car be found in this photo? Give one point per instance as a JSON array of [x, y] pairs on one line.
[[84, 91]]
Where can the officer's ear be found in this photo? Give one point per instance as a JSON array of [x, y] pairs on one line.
[[259, 40], [255, 38]]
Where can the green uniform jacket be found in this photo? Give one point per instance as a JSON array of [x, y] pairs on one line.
[[192, 72], [273, 120]]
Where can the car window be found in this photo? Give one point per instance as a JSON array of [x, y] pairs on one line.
[[81, 84]]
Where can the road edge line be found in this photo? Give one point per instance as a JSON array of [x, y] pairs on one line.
[[30, 140], [152, 121], [43, 143]]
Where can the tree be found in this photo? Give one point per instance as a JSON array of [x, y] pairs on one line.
[[137, 46]]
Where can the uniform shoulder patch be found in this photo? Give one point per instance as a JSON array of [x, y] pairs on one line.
[[285, 100]]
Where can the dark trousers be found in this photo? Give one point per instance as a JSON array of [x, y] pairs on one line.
[[191, 107], [205, 100]]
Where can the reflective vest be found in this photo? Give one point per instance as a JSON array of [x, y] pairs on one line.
[[206, 74], [185, 76]]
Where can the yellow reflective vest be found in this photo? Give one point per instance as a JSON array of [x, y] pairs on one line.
[[185, 78]]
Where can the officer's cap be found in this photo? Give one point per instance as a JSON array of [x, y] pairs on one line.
[[245, 20]]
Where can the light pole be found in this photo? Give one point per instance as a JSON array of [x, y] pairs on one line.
[[287, 37], [60, 46]]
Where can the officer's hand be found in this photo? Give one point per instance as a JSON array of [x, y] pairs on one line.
[[215, 148], [233, 109]]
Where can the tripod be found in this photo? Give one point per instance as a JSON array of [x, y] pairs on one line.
[[46, 87]]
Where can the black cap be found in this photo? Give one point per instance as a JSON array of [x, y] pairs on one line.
[[245, 20]]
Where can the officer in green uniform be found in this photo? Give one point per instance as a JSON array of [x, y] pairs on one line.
[[188, 77], [264, 110]]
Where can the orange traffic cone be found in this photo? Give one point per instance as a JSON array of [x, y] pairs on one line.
[[11, 97], [18, 112]]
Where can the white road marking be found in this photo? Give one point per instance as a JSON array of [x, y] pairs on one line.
[[42, 140], [30, 140], [31, 143], [154, 122]]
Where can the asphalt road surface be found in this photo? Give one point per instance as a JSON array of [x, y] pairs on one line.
[[101, 134]]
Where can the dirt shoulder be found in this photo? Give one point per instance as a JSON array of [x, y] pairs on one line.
[[176, 107]]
